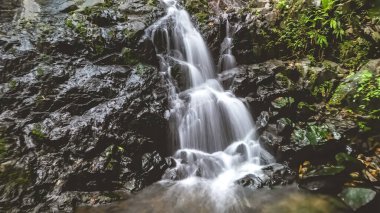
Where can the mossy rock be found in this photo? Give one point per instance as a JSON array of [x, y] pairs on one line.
[[199, 8], [314, 134], [357, 197], [284, 81], [359, 91], [129, 56], [353, 53], [282, 102]]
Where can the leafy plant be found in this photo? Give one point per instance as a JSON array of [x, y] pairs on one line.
[[282, 4], [317, 31], [368, 93]]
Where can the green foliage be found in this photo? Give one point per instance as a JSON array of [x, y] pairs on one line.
[[324, 90], [312, 31], [282, 102], [359, 91], [314, 134], [368, 93], [317, 31], [327, 4], [282, 4], [363, 126], [354, 53]]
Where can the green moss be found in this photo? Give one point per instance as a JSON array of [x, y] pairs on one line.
[[129, 57], [340, 94], [129, 34], [12, 178], [37, 132], [3, 147], [40, 72], [12, 84], [90, 34], [202, 17], [69, 23], [140, 68], [199, 8], [354, 53], [99, 49]]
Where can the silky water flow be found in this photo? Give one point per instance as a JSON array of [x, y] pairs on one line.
[[213, 131]]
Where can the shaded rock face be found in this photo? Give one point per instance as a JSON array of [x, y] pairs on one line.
[[250, 21], [81, 121]]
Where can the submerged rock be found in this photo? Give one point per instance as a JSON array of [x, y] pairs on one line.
[[357, 197]]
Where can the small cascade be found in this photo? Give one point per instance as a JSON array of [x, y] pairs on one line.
[[213, 131], [227, 60]]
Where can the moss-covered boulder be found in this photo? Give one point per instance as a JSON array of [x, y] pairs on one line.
[[313, 134], [360, 91]]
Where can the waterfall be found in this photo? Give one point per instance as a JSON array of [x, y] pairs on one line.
[[213, 131]]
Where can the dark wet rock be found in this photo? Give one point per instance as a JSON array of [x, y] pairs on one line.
[[278, 175], [323, 185], [251, 181], [322, 178], [68, 6], [91, 132], [78, 124], [274, 175], [8, 9]]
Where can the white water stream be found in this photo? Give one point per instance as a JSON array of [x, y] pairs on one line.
[[213, 131]]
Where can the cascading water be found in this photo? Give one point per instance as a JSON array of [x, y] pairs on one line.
[[213, 130]]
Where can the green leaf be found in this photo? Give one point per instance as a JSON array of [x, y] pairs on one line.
[[325, 171], [333, 23]]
